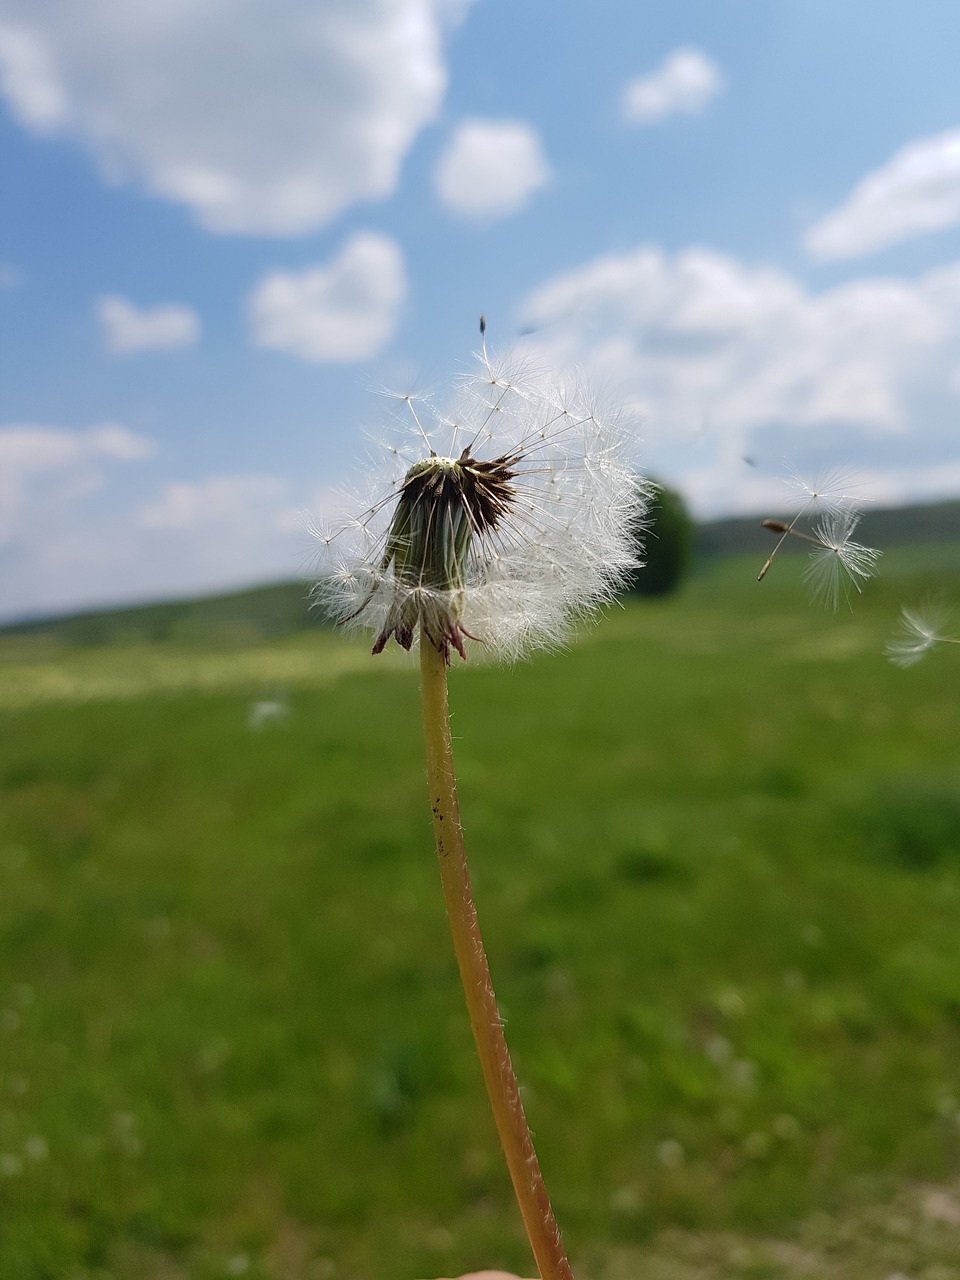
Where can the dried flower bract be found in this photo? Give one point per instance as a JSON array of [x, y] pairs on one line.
[[497, 522]]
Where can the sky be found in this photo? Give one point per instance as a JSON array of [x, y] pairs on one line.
[[225, 225]]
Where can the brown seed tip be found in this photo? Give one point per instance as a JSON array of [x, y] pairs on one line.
[[775, 526], [483, 325]]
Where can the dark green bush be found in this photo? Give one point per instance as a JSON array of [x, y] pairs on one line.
[[665, 537]]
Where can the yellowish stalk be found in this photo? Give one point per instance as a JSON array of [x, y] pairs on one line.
[[498, 1075]]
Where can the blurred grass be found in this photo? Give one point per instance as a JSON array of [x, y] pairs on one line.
[[716, 847], [38, 671]]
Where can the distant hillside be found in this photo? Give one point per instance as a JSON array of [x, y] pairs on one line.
[[885, 527], [264, 613], [259, 613]]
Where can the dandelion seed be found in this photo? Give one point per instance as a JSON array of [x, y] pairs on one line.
[[828, 491], [498, 522], [918, 632], [837, 562]]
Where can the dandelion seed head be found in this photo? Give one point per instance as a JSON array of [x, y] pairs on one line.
[[499, 520]]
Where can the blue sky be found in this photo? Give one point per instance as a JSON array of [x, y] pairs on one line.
[[225, 223]]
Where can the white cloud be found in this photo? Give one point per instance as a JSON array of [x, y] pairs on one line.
[[125, 328], [914, 193], [69, 462], [225, 529], [722, 360], [28, 79], [491, 168], [11, 277], [260, 118], [918, 483], [684, 84], [336, 313], [186, 506], [73, 533]]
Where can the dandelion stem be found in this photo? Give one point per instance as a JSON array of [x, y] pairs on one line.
[[502, 1089]]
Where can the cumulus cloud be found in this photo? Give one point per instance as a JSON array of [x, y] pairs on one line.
[[912, 483], [69, 462], [684, 84], [125, 328], [917, 191], [260, 118], [721, 359], [220, 530], [28, 78], [187, 506], [10, 276], [343, 311], [491, 168], [74, 533]]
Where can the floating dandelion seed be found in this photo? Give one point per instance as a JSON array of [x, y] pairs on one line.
[[828, 491], [837, 562], [497, 523], [918, 632]]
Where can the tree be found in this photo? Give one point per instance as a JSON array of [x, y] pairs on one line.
[[665, 541]]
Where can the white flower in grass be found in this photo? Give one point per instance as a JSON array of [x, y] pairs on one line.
[[918, 632], [267, 711], [497, 522], [837, 562]]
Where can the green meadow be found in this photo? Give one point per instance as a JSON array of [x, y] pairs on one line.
[[716, 850]]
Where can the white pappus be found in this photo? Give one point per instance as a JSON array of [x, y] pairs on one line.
[[499, 521]]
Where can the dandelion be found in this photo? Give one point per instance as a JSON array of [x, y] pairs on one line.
[[918, 632], [496, 526], [837, 562], [498, 523]]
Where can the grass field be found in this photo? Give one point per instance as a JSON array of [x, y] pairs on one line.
[[716, 848]]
